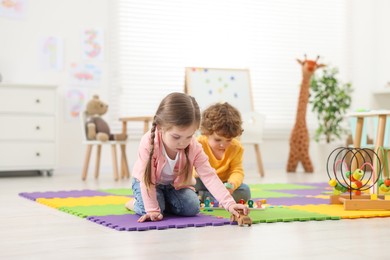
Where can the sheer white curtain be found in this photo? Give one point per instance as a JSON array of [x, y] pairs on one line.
[[152, 42]]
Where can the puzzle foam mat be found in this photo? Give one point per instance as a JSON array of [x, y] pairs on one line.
[[285, 203]]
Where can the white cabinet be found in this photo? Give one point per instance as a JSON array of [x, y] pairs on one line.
[[28, 128]]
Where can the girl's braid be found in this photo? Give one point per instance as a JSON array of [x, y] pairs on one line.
[[148, 169]]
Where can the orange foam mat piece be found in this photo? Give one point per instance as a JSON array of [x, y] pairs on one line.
[[338, 210], [83, 201]]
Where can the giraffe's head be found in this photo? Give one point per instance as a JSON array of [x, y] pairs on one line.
[[310, 66]]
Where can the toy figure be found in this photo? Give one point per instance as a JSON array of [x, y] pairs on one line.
[[96, 127], [242, 219], [299, 139]]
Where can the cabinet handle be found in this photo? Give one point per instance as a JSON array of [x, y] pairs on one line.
[[37, 127], [37, 101], [37, 154]]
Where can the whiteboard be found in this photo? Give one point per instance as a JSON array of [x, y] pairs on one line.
[[209, 86]]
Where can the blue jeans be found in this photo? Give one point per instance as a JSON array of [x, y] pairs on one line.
[[242, 192], [183, 202]]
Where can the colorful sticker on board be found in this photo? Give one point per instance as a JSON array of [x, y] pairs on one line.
[[220, 85]]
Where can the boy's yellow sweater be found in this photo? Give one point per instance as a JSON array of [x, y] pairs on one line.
[[229, 168]]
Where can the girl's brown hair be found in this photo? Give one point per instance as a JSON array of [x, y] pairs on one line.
[[222, 119], [179, 110]]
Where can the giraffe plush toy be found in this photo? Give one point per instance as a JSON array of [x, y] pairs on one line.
[[299, 139]]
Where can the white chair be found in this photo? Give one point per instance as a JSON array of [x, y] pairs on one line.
[[386, 144], [365, 135], [371, 121], [253, 125], [90, 143], [386, 139]]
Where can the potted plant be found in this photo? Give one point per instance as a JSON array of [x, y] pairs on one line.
[[330, 101]]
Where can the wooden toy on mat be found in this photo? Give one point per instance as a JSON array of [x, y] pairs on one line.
[[299, 139], [242, 219], [349, 179]]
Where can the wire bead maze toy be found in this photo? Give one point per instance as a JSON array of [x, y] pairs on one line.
[[351, 171]]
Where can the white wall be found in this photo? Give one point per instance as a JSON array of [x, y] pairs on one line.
[[19, 63]]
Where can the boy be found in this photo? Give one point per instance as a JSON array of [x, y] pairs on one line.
[[221, 124]]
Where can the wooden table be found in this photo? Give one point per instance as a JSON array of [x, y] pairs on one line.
[[380, 135], [125, 173]]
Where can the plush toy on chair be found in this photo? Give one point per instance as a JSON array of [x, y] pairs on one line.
[[97, 132], [96, 127]]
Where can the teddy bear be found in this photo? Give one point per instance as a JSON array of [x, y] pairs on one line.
[[96, 127]]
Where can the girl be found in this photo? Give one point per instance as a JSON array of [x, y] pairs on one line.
[[166, 158], [221, 124]]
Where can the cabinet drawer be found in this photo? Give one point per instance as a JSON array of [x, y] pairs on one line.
[[27, 127], [17, 155], [25, 100]]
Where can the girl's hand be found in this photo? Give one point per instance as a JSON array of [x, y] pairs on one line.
[[233, 209], [153, 216]]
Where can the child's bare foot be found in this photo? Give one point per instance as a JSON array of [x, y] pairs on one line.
[[130, 204]]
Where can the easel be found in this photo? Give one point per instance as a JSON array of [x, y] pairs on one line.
[[212, 85]]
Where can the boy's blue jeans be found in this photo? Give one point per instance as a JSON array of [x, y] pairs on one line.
[[183, 202]]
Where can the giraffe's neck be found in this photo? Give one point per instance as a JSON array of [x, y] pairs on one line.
[[303, 99]]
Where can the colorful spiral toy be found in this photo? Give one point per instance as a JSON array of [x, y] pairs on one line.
[[352, 170]]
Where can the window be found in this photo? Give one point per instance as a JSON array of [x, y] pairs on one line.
[[153, 41]]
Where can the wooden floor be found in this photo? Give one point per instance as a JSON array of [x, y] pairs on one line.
[[32, 231]]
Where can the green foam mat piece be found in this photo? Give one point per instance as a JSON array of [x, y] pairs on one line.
[[96, 210], [264, 194], [121, 192], [270, 190], [275, 214], [281, 186]]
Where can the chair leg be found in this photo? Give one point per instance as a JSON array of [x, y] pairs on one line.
[[259, 160], [97, 163], [114, 161], [125, 173], [86, 162], [386, 160]]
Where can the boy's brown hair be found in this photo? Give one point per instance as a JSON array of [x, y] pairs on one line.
[[222, 119]]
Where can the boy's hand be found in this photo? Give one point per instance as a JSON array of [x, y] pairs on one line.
[[230, 187], [233, 209], [153, 216]]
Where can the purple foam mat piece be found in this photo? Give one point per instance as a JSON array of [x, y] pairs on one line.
[[313, 192], [296, 201], [321, 185], [129, 222], [62, 194]]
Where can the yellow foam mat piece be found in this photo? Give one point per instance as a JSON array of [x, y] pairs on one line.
[[325, 197], [338, 210], [83, 201]]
